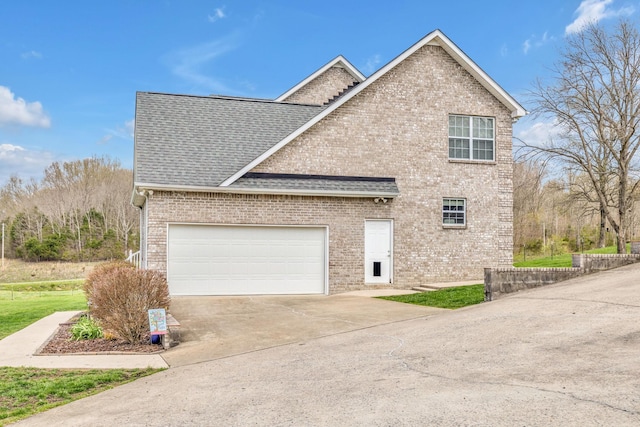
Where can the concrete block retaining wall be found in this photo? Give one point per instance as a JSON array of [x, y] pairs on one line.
[[499, 281]]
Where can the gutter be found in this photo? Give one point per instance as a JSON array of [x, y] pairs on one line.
[[140, 189]]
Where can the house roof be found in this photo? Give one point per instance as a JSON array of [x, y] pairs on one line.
[[347, 186], [203, 140], [211, 143], [338, 61], [436, 38]]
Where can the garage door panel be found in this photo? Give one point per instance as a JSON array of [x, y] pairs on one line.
[[237, 260]]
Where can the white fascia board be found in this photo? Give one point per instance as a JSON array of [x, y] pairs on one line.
[[435, 38], [245, 190], [338, 61]]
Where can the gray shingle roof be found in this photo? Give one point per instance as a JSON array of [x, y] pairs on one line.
[[318, 183], [202, 140]]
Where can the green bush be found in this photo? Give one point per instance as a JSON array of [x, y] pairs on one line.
[[86, 329], [120, 296], [534, 246], [49, 249]]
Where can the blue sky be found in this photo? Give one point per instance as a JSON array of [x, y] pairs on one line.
[[69, 70]]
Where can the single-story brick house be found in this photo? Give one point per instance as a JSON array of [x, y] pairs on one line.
[[343, 182]]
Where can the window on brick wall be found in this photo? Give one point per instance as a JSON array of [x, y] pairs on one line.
[[454, 212], [471, 138]]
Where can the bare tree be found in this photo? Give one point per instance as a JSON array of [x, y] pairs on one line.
[[595, 101], [583, 195], [80, 207], [527, 201]]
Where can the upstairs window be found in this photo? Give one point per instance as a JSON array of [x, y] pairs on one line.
[[471, 138], [454, 212]]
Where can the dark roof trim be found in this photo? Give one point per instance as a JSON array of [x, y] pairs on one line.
[[229, 98], [264, 175]]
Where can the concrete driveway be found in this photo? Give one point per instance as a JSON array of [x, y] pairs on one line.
[[565, 355], [215, 327]]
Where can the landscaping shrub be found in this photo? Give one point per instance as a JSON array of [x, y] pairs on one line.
[[120, 296], [86, 328], [95, 279]]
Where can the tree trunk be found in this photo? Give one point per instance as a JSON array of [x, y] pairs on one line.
[[603, 228], [621, 232]]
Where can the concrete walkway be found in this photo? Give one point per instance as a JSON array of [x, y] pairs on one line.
[[563, 355], [19, 349]]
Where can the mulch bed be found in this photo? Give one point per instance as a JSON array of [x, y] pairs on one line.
[[62, 343]]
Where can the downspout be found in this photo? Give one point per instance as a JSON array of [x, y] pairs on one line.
[[145, 209]]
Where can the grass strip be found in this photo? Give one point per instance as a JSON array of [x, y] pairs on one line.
[[452, 298], [48, 285], [558, 260], [20, 312], [27, 391], [563, 260]]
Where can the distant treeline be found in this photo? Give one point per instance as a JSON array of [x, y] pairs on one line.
[[79, 211]]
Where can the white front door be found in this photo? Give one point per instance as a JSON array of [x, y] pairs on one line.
[[378, 251]]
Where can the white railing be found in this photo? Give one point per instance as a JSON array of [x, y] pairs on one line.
[[134, 258]]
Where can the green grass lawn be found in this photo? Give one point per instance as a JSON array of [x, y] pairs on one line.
[[563, 260], [558, 260], [19, 313], [27, 391], [460, 296], [43, 286]]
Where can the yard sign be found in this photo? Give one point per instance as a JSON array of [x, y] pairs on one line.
[[157, 321]]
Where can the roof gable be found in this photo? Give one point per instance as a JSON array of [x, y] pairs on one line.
[[436, 38], [338, 61]]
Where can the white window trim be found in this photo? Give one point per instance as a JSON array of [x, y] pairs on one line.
[[464, 224], [471, 139]]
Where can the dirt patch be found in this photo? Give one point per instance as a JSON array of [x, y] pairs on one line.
[[62, 343]]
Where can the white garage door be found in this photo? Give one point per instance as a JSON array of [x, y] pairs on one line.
[[239, 260]]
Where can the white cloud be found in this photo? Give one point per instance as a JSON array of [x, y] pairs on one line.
[[217, 14], [535, 41], [25, 163], [17, 111], [372, 64], [593, 11], [129, 127], [105, 139], [31, 54], [190, 63], [6, 150], [536, 132], [124, 131], [504, 50]]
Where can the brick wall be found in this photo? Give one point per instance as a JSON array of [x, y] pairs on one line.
[[396, 127], [344, 216], [501, 281], [322, 88]]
